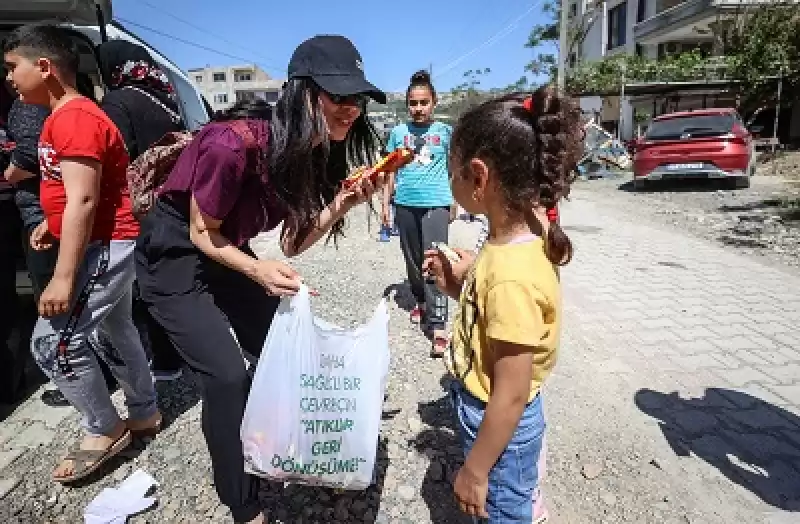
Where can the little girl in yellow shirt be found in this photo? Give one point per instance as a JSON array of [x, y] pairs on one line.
[[511, 159]]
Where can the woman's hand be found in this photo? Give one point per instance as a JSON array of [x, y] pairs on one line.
[[361, 191], [386, 216], [449, 276], [277, 278], [41, 237]]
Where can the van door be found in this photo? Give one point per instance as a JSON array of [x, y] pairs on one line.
[[194, 110]]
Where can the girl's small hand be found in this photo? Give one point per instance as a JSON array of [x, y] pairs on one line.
[[449, 276], [471, 489]]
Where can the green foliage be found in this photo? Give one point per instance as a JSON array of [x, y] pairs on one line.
[[545, 35], [762, 42], [606, 76], [544, 38], [756, 45]]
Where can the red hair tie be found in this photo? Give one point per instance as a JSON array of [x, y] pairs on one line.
[[552, 214], [528, 104]]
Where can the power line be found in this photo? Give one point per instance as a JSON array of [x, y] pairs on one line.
[[490, 41], [198, 28], [487, 43], [199, 46]]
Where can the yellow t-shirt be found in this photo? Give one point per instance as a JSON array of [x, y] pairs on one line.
[[511, 294]]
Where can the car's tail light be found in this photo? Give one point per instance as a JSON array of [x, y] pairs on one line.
[[738, 135]]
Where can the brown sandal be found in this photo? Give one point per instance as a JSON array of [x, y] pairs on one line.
[[150, 432], [87, 461]]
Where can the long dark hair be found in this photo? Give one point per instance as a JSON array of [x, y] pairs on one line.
[[532, 142], [306, 177], [245, 109]]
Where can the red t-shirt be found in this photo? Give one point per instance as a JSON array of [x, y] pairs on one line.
[[80, 129]]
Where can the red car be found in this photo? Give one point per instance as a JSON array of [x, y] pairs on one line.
[[706, 143]]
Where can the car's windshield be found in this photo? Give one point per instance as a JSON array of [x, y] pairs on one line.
[[690, 126]]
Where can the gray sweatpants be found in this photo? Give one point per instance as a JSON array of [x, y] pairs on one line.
[[419, 227], [107, 314]]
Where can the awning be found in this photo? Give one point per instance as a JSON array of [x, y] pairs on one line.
[[661, 88]]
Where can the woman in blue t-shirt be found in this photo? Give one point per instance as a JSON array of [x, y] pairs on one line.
[[423, 201]]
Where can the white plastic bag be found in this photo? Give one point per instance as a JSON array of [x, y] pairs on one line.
[[314, 411]]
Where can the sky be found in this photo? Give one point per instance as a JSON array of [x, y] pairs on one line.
[[394, 39]]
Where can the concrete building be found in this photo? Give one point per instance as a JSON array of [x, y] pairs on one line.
[[653, 29], [224, 86]]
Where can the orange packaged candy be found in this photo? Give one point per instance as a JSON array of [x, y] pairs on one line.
[[388, 164]]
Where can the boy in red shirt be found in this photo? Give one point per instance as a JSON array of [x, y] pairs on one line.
[[85, 200]]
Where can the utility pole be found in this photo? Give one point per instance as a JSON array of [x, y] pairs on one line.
[[562, 46], [430, 69]]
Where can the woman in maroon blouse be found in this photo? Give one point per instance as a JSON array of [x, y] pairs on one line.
[[196, 271]]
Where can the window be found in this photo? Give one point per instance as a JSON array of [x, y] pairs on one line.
[[245, 96], [271, 97], [221, 98], [641, 10], [198, 79], [573, 59], [194, 111], [219, 77], [573, 10], [691, 126], [243, 77], [617, 25]]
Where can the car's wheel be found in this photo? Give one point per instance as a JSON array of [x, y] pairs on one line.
[[640, 185], [739, 182]]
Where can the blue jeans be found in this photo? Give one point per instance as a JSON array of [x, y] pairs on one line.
[[514, 479]]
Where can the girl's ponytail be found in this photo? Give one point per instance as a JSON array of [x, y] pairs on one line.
[[554, 120]]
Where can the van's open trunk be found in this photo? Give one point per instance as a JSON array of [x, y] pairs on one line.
[[79, 12]]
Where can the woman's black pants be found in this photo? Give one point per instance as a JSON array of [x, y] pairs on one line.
[[218, 320]]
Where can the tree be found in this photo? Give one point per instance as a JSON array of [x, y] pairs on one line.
[[761, 43], [755, 46], [467, 94], [523, 84], [545, 35], [545, 38]]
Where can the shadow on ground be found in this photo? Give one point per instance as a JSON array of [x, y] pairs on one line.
[[688, 185], [297, 503], [753, 443], [441, 444], [401, 293], [19, 375], [787, 209]]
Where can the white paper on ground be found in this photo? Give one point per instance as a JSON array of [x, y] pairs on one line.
[[115, 505]]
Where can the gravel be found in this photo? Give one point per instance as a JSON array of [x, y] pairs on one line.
[[762, 221], [418, 450], [590, 480]]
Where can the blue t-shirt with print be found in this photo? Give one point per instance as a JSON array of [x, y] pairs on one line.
[[424, 182]]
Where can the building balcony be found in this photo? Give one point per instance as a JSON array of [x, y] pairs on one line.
[[687, 20]]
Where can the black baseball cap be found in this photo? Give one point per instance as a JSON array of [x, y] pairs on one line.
[[334, 63]]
